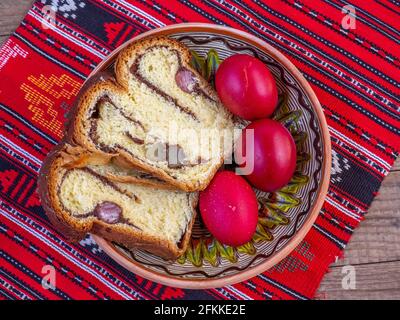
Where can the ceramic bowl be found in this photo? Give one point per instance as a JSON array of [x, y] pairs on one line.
[[286, 215]]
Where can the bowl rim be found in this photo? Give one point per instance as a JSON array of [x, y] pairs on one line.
[[250, 272]]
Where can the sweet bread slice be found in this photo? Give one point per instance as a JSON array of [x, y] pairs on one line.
[[158, 116], [79, 200], [117, 173], [114, 169]]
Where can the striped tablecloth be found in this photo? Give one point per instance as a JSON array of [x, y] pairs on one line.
[[350, 56]]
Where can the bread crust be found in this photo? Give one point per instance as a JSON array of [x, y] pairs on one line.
[[75, 229], [121, 68], [119, 86], [124, 60], [78, 150]]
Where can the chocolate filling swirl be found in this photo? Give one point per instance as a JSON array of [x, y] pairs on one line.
[[95, 116], [134, 69], [173, 154], [105, 211]]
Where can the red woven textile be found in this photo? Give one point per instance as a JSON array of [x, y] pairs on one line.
[[354, 72]]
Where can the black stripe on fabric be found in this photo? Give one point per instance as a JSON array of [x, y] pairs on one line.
[[369, 23], [18, 265], [250, 285], [46, 56], [19, 282], [336, 224], [361, 159], [202, 12], [355, 204], [387, 7], [335, 118], [74, 26], [335, 60], [396, 3], [339, 219], [91, 18], [7, 163], [73, 32], [6, 295], [22, 187], [63, 269], [354, 180], [26, 123], [371, 165], [351, 203], [379, 22], [333, 46], [121, 35], [352, 104], [112, 16], [130, 35], [29, 193], [333, 78], [221, 294], [12, 288], [333, 239], [40, 216], [62, 44], [283, 288], [38, 147], [10, 153], [210, 293], [15, 182], [343, 32], [145, 3], [326, 88]]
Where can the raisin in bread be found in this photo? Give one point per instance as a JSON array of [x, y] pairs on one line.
[[159, 116], [79, 200]]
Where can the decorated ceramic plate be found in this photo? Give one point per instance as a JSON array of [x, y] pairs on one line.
[[285, 216]]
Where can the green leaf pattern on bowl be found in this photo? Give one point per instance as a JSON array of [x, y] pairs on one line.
[[272, 206]]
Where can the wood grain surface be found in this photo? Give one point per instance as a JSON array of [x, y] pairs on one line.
[[11, 13], [374, 249]]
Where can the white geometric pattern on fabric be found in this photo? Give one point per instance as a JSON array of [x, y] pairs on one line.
[[338, 165], [89, 243], [66, 7]]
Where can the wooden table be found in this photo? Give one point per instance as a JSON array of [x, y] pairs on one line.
[[374, 249]]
